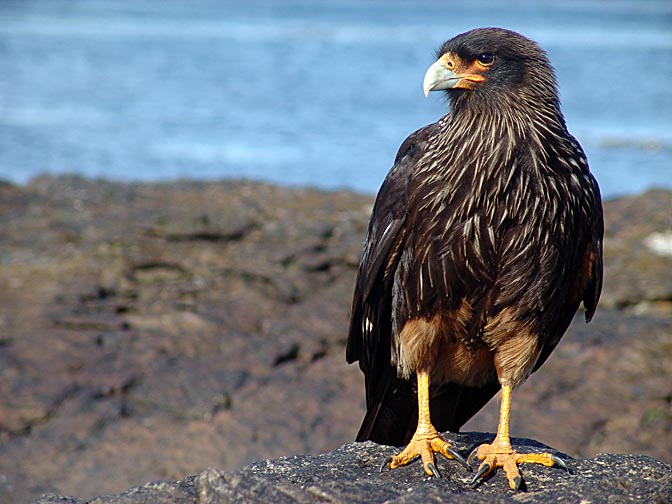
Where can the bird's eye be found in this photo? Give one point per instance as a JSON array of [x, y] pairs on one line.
[[486, 59]]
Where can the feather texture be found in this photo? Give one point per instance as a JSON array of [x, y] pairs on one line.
[[485, 237]]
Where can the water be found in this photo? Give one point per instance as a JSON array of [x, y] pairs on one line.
[[305, 92]]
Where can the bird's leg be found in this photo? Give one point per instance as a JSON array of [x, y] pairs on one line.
[[500, 453], [426, 441]]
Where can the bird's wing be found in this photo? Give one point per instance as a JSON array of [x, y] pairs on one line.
[[592, 259], [369, 339], [392, 415]]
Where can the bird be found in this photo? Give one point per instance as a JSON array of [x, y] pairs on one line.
[[484, 240]]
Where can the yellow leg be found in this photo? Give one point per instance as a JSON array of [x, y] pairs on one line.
[[426, 441], [500, 453]]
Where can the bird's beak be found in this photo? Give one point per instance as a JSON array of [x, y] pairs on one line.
[[439, 77]]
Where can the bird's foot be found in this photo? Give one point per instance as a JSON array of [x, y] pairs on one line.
[[424, 446], [502, 455]]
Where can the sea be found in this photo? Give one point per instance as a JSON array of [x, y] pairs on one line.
[[305, 92]]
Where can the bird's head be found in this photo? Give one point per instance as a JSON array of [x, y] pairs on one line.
[[487, 62]]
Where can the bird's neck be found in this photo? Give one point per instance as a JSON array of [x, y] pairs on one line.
[[496, 129]]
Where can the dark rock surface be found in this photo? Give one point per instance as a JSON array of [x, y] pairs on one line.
[[148, 331], [349, 474]]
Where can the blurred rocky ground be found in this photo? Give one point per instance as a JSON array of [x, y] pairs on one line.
[[149, 331]]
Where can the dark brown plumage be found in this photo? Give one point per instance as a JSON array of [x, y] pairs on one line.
[[485, 237]]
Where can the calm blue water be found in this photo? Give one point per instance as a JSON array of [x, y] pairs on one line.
[[305, 92]]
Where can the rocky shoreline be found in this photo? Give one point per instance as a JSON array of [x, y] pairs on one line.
[[350, 474], [149, 331]]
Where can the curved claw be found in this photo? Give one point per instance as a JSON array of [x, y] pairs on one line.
[[385, 464], [472, 456], [435, 471], [484, 469], [516, 483], [459, 458], [561, 463]]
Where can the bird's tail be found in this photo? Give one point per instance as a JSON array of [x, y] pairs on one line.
[[392, 414]]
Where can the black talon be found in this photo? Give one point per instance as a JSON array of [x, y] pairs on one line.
[[434, 470], [459, 458], [516, 483], [481, 471], [472, 456], [385, 465], [561, 463]]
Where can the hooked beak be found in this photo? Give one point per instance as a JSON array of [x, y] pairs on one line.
[[439, 77]]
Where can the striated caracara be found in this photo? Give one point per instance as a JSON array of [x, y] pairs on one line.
[[485, 237]]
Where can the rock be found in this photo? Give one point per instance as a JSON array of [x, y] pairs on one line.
[[350, 474], [638, 252], [148, 331]]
